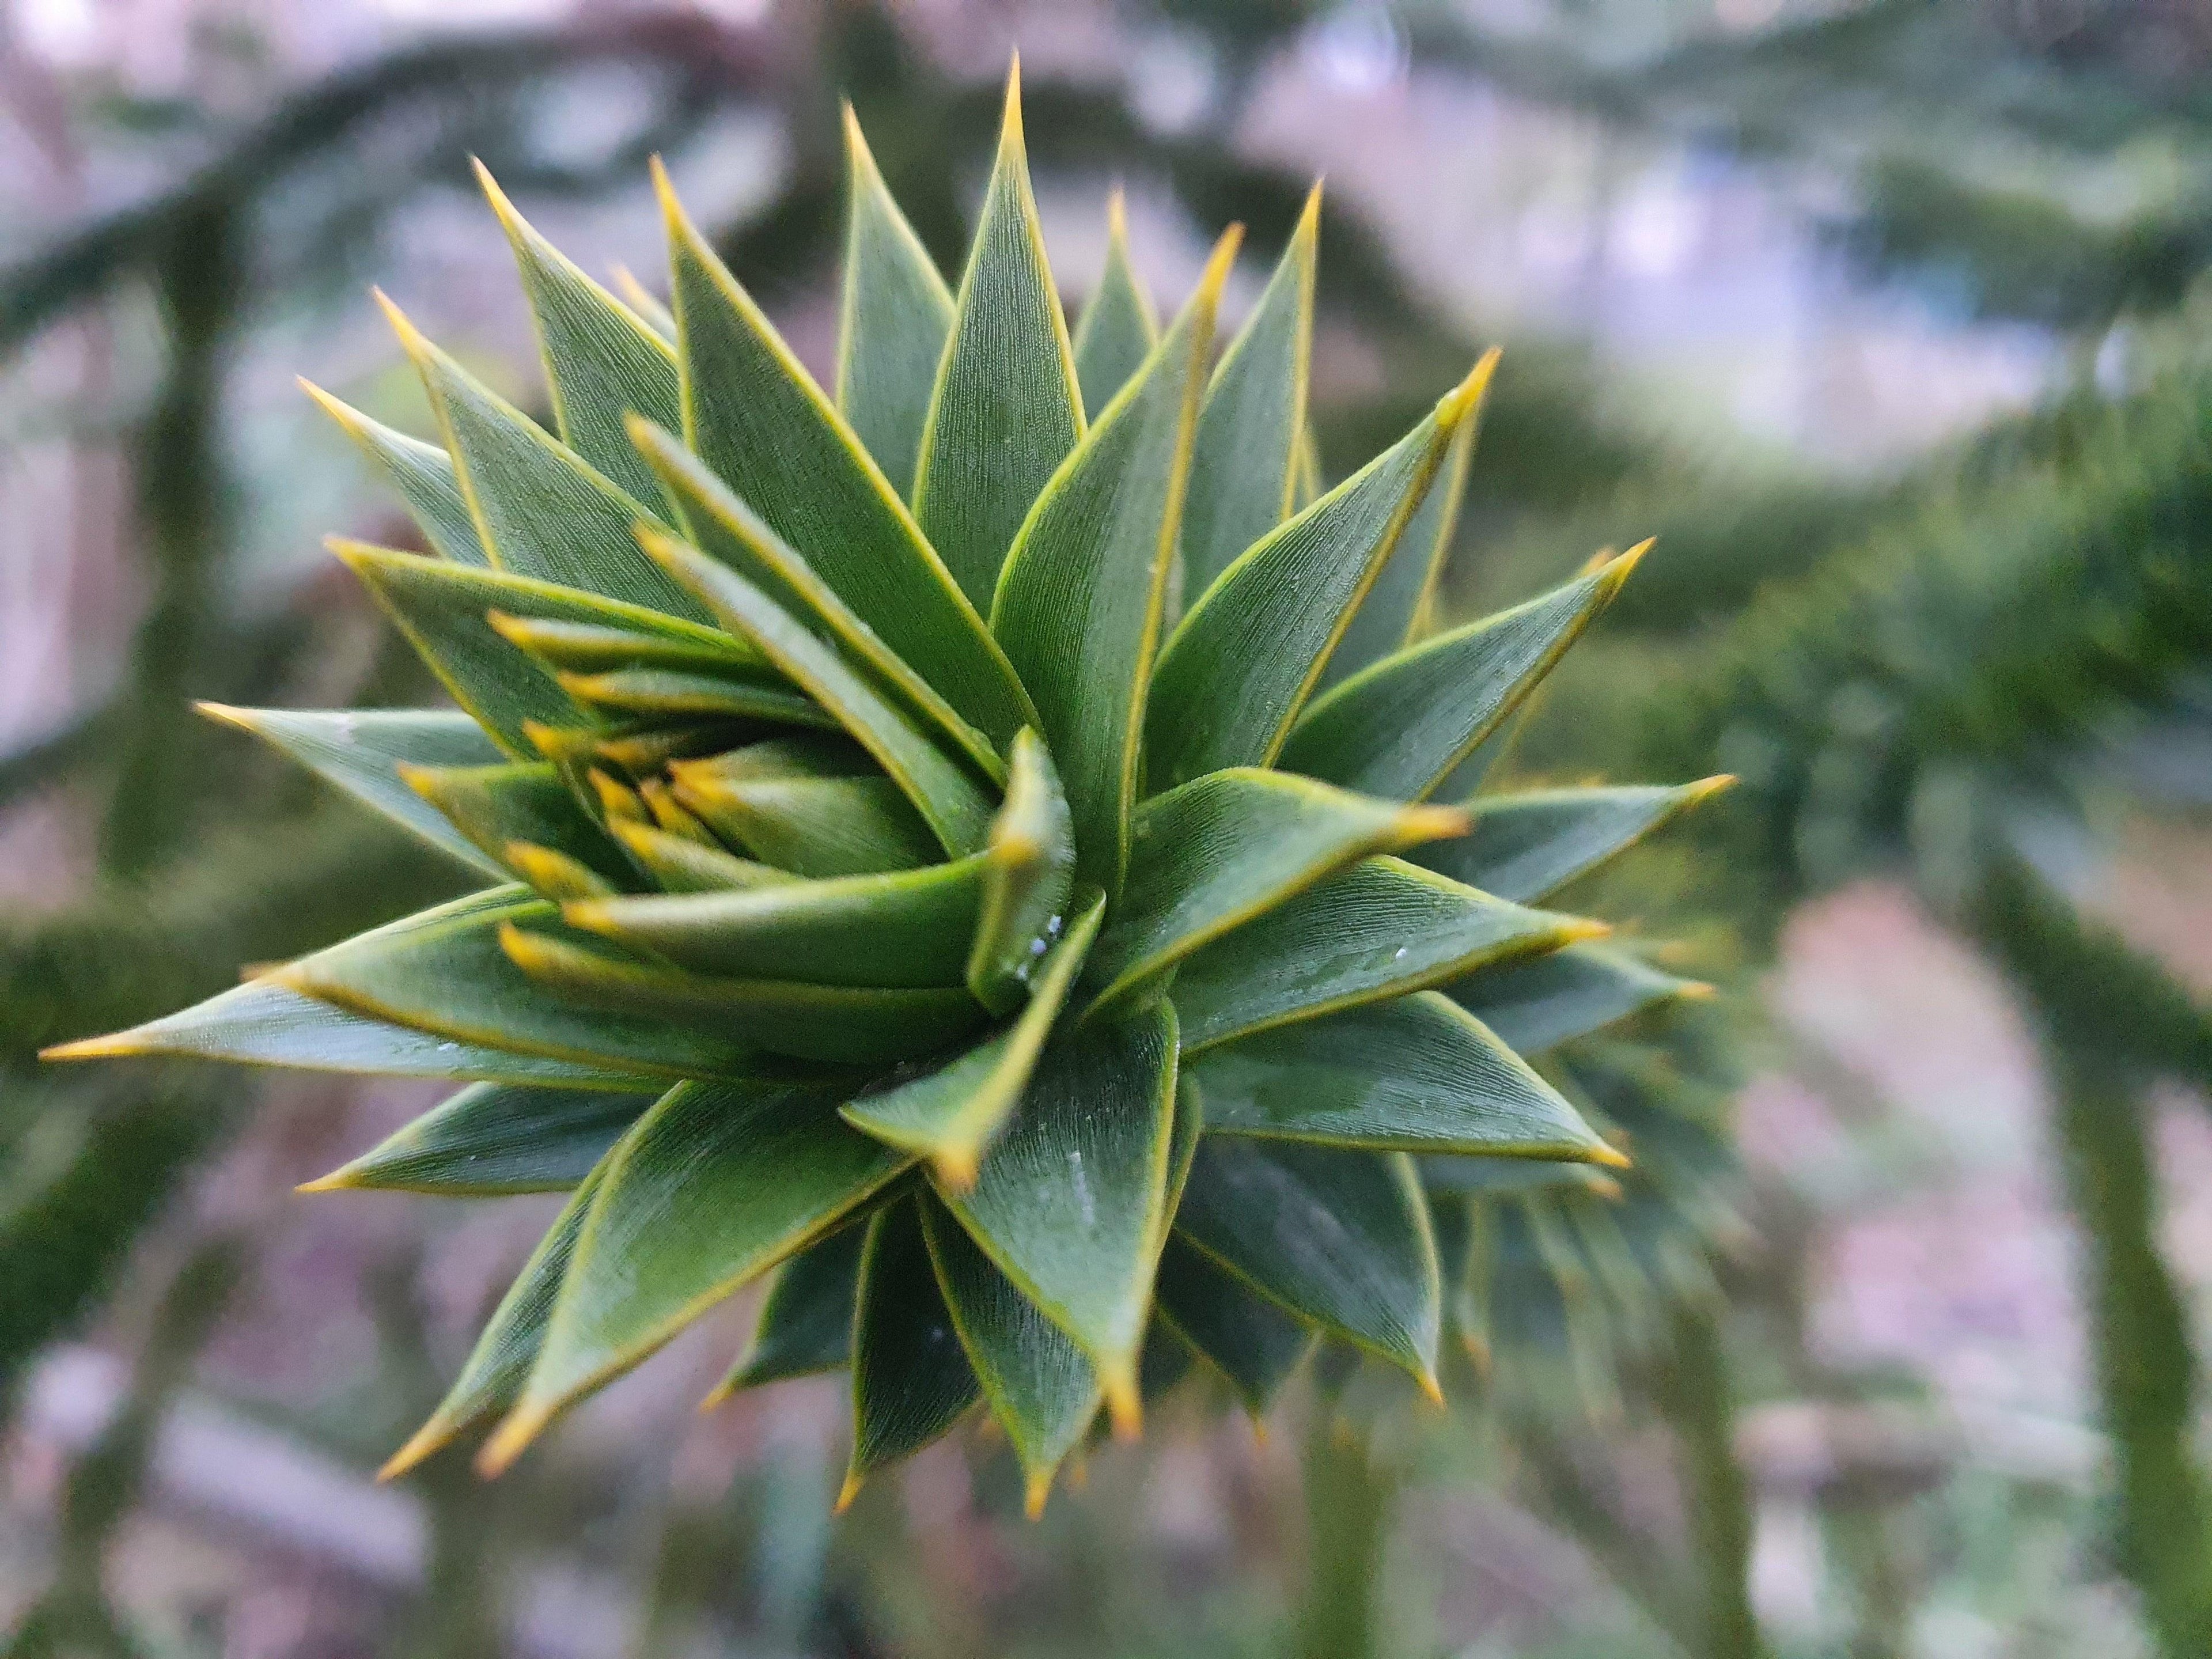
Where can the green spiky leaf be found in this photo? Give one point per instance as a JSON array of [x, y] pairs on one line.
[[422, 475], [1119, 328], [1040, 1385], [1534, 1006], [1248, 1339], [362, 750], [951, 1114], [891, 322], [1398, 727], [756, 420], [903, 928], [1235, 673], [495, 1137], [1245, 459], [540, 508], [1527, 846], [445, 610], [1005, 410], [1224, 848], [947, 797], [1380, 929], [1339, 1239], [443, 971], [1080, 602], [806, 1323], [1029, 880], [1417, 1073], [714, 1186], [1070, 1200], [492, 1378], [263, 1023], [911, 1378], [602, 362], [1401, 605]]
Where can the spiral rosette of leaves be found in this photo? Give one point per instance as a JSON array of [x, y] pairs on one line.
[[964, 841]]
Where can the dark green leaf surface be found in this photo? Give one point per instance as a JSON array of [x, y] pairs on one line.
[[1028, 878], [680, 865], [892, 322], [944, 793], [1163, 1362], [421, 473], [911, 1378], [1118, 329], [711, 1187], [1534, 1006], [1070, 1201], [496, 805], [1007, 410], [492, 1378], [1245, 456], [595, 648], [361, 750], [1220, 850], [1041, 1387], [951, 1114], [816, 827], [757, 420], [443, 971], [602, 360], [907, 927], [540, 509], [443, 610], [1528, 846], [495, 1137], [806, 1322], [839, 1025], [1341, 1239], [263, 1023], [1079, 603], [729, 532], [1379, 929], [795, 755], [1233, 676], [1400, 727], [1249, 1341], [663, 694], [1416, 1074], [1400, 606]]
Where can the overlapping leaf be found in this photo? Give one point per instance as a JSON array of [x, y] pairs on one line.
[[1398, 728], [754, 416], [714, 1186], [1245, 458], [1118, 329], [1234, 675], [1339, 1239], [1418, 1073], [495, 1137], [1382, 929], [1071, 1201], [1080, 602], [362, 750], [892, 320], [1006, 408]]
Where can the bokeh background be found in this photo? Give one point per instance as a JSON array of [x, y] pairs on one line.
[[1888, 318]]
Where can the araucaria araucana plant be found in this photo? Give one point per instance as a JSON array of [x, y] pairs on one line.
[[965, 840]]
